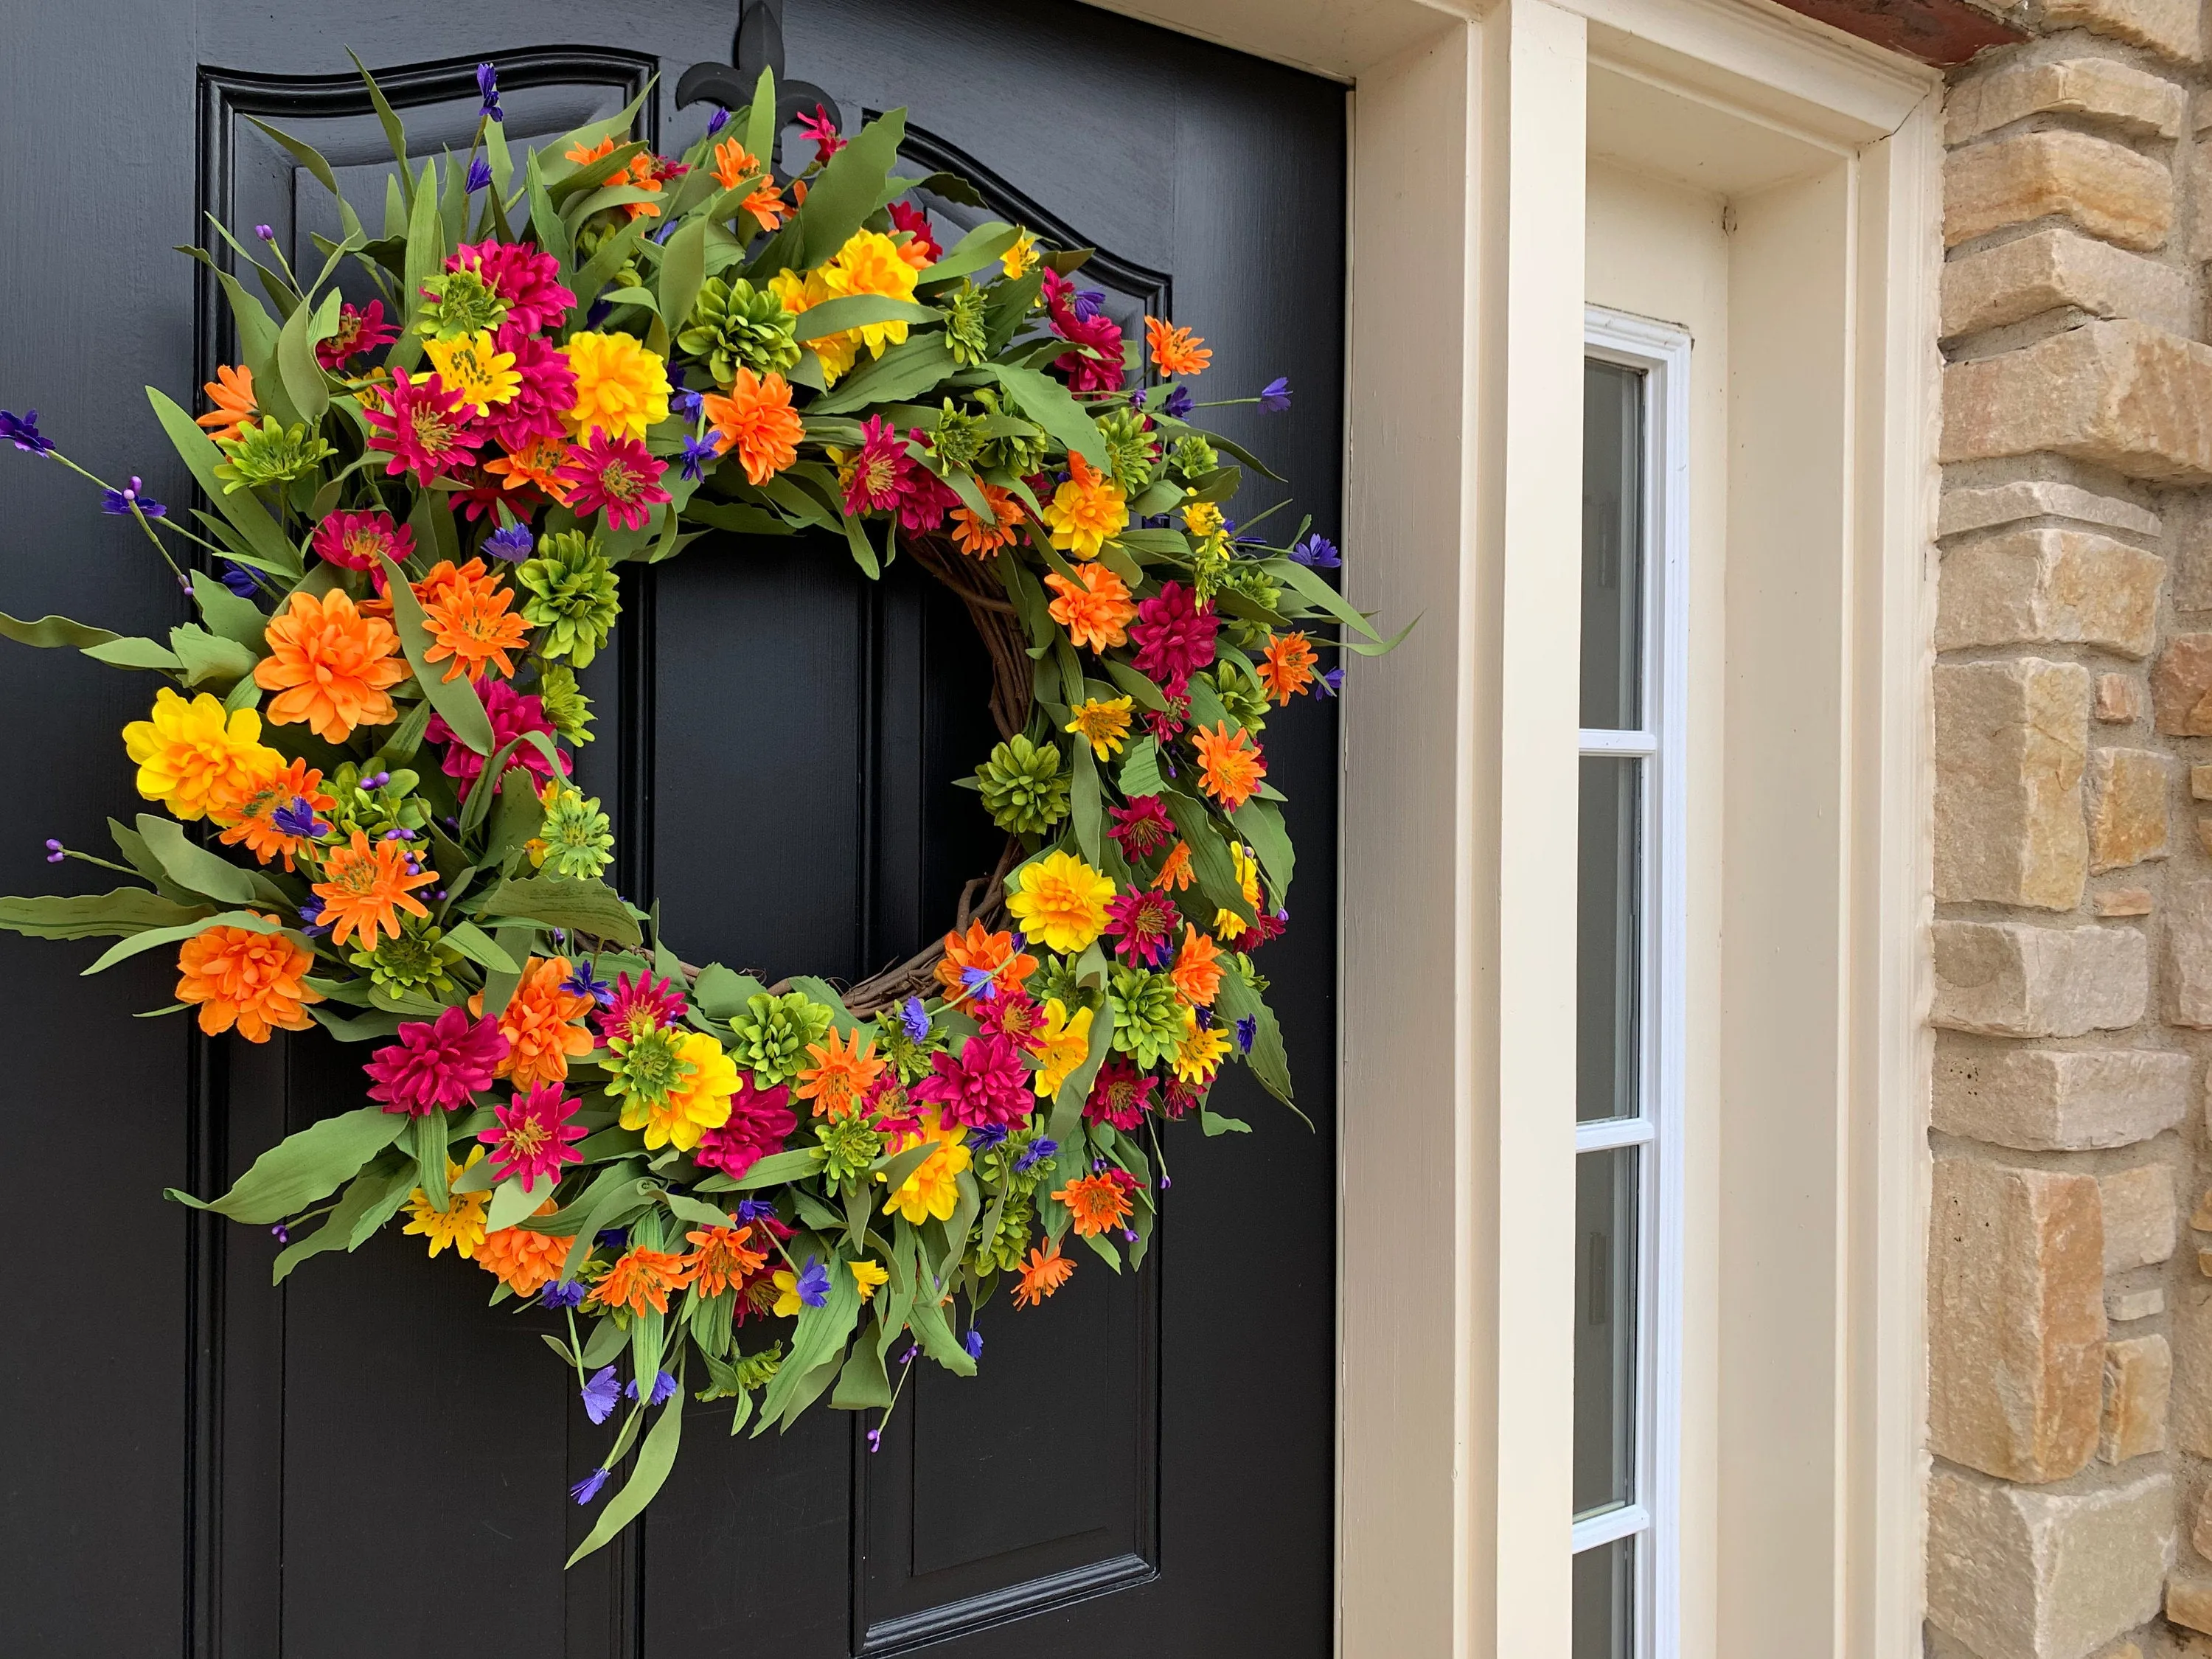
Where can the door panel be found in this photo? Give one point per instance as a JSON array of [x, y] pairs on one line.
[[367, 1460]]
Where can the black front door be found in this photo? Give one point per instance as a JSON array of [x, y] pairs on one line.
[[367, 1461]]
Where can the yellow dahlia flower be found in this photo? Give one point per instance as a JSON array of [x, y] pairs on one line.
[[700, 1102], [192, 754], [1062, 902], [620, 387], [1061, 1044]]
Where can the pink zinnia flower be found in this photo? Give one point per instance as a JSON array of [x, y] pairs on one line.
[[642, 1004], [549, 386], [1096, 364], [1143, 924], [529, 281], [511, 715], [1142, 827], [616, 474], [359, 540], [1119, 1095], [426, 429], [759, 1119], [879, 468], [358, 331], [534, 1135], [987, 1084], [822, 131], [437, 1063], [1177, 1096], [1174, 637], [924, 499], [907, 217]]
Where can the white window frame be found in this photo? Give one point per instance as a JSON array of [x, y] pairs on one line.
[[1661, 352]]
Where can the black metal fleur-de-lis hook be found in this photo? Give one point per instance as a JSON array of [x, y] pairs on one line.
[[757, 45]]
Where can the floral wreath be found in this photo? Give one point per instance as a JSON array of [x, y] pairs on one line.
[[419, 504]]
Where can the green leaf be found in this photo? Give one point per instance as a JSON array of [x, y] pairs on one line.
[[691, 1210], [302, 1168], [720, 993], [1270, 1064], [512, 1201], [683, 270], [136, 653], [455, 699], [588, 907], [394, 133], [552, 230], [736, 517], [1140, 769], [241, 508], [1318, 593], [905, 371], [152, 938], [1049, 404], [50, 632], [303, 378], [654, 1459], [773, 1170], [851, 311], [1261, 822], [981, 246], [607, 261], [843, 194], [312, 159], [206, 659], [226, 614], [817, 1338], [481, 948], [426, 253], [193, 867], [1209, 855], [373, 1198], [863, 1385], [119, 913]]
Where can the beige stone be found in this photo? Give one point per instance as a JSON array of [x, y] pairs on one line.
[[2057, 267], [2188, 1603], [2049, 587], [2181, 687], [2188, 1327], [2015, 1319], [2205, 834], [2058, 1099], [2200, 1529], [2124, 1307], [2200, 175], [1970, 507], [2128, 789], [2097, 86], [2170, 27], [2189, 540], [2124, 902], [2119, 699], [2121, 394], [2140, 1216], [2009, 743], [2204, 1266], [2105, 188], [2010, 979], [2017, 1574], [2189, 953], [2138, 1381]]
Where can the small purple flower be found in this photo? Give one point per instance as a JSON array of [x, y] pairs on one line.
[[1089, 302], [687, 403], [599, 1397], [980, 983], [985, 1136], [1329, 685], [311, 917], [1129, 1234], [1178, 403], [1317, 552], [479, 175], [813, 1283], [281, 1233], [127, 500], [239, 580], [663, 233], [582, 983], [265, 233], [1136, 398], [1038, 1152], [1275, 396], [588, 1488], [601, 309], [22, 431], [513, 542], [54, 854], [717, 121], [756, 1209], [663, 1386], [560, 1293], [913, 1352], [376, 781], [297, 818], [1165, 1183], [697, 452], [613, 1237], [488, 89], [974, 1343], [1247, 1028], [913, 1019]]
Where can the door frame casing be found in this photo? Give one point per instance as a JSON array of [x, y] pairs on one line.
[[1469, 148]]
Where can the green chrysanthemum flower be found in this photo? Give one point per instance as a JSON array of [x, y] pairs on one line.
[[1245, 697], [1055, 978], [648, 1067], [1023, 789], [734, 323], [595, 237], [906, 1055], [459, 303], [573, 595], [1002, 1251], [770, 1037], [965, 330], [1147, 1016], [1209, 564], [1019, 451], [566, 705], [578, 838], [1194, 456], [1129, 451], [758, 1370], [959, 438], [1255, 583], [418, 963], [265, 452], [850, 1147]]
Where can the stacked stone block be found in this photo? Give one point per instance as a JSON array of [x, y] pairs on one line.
[[2069, 1297]]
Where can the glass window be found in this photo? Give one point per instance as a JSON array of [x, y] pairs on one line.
[[1605, 1330], [1607, 945], [1613, 545]]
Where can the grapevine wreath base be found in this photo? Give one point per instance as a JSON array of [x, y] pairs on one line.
[[421, 483]]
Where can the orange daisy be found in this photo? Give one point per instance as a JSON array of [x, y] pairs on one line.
[[250, 819], [1175, 350], [468, 619], [249, 979], [525, 1263], [1175, 869], [540, 1023], [365, 884], [757, 419], [972, 536], [1229, 764], [231, 392], [537, 465], [330, 666], [1288, 666], [641, 1279], [1098, 1202], [1093, 607], [840, 1078], [721, 1259], [733, 165], [1045, 1272], [583, 155], [991, 952], [1197, 970]]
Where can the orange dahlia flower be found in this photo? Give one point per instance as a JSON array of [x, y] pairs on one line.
[[733, 165], [641, 1279], [249, 814], [231, 392], [525, 1263], [1197, 970], [721, 1258], [330, 666], [972, 536], [365, 884], [992, 953], [249, 979], [1175, 350], [1288, 666], [1175, 869], [840, 1078], [1098, 1202], [1093, 607], [540, 1023], [470, 621], [757, 420], [1045, 1272], [1229, 766]]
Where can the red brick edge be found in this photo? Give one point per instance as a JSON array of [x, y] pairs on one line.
[[1943, 33]]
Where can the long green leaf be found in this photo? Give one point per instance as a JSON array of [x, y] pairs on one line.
[[1049, 404], [245, 512], [844, 193], [193, 866], [53, 631], [302, 375], [981, 246], [456, 699], [119, 913], [395, 133], [302, 1168], [853, 310], [153, 937], [654, 1459], [904, 372], [588, 907], [312, 159]]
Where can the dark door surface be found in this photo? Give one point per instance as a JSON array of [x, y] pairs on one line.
[[368, 1461]]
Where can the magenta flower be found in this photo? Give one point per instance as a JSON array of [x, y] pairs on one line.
[[986, 1083], [359, 540], [358, 331], [822, 131], [907, 217], [642, 1004], [617, 475], [879, 468], [529, 282], [436, 1064], [924, 499], [1143, 925], [1095, 365], [534, 1135], [1142, 827], [425, 429], [511, 715], [1120, 1095], [549, 386], [1174, 637], [759, 1119]]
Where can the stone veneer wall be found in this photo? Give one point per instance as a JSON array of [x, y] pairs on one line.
[[2070, 1295]]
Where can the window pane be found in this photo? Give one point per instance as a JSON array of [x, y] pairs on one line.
[[1612, 546], [1605, 1601], [1605, 1329], [1608, 942]]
